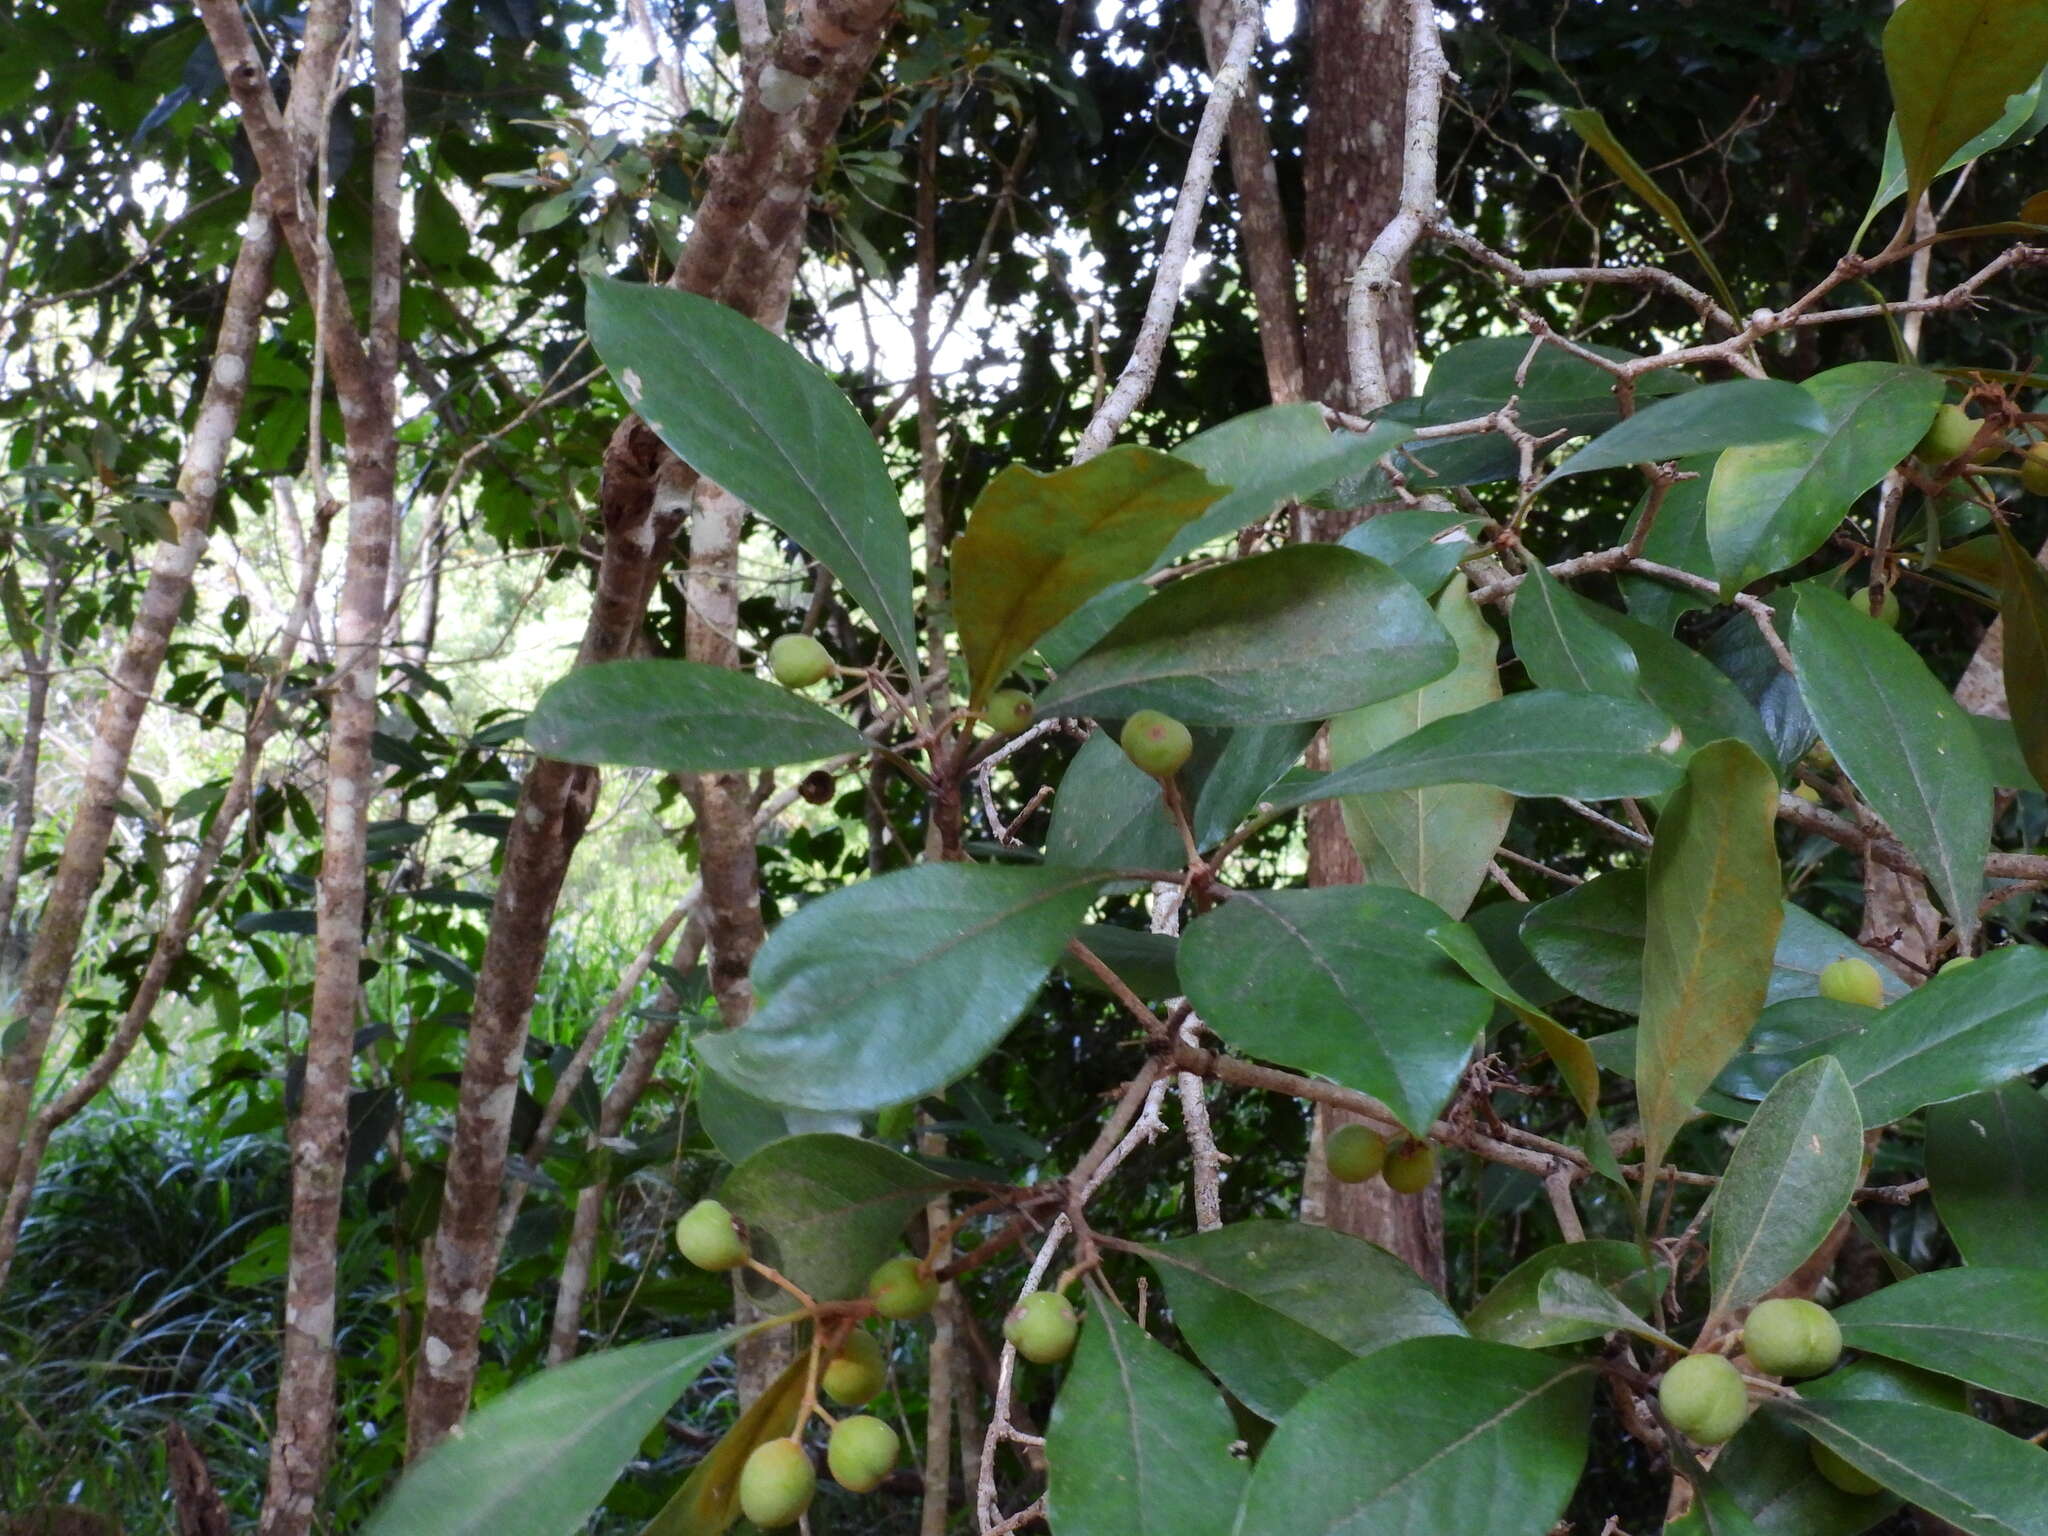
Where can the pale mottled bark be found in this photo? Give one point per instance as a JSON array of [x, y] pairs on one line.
[[26, 771]]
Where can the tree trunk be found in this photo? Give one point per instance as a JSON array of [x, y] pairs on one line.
[[1351, 175]]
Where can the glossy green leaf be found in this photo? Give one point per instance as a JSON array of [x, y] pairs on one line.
[[1076, 635], [1986, 1326], [1423, 544], [682, 717], [1438, 840], [825, 1210], [1586, 745], [1966, 1030], [1713, 911], [1038, 546], [1787, 1183], [742, 407], [1139, 1441], [541, 1458], [2024, 608], [1302, 633], [1512, 1313], [1701, 421], [1592, 127], [1567, 1296], [1437, 1435], [1553, 390], [1561, 645], [1770, 505], [1904, 742], [1700, 699], [1678, 538], [1144, 961], [1268, 458], [1985, 1157], [1273, 1307], [885, 991], [1232, 770], [738, 1124], [1952, 64], [2018, 120], [1343, 982], [1574, 1059], [1787, 1035], [1967, 1472], [2009, 769], [1109, 814]]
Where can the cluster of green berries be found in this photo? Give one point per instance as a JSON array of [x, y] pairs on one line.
[[1355, 1154], [1954, 433]]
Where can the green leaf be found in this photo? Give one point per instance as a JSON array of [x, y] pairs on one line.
[[1574, 1059], [1770, 505], [2018, 120], [1273, 1307], [1787, 1035], [738, 1124], [1038, 546], [1700, 699], [1965, 1471], [742, 407], [1561, 645], [1677, 538], [1139, 1441], [540, 1458], [706, 1503], [1585, 745], [2024, 607], [1233, 770], [885, 991], [1966, 1030], [1592, 127], [1787, 1184], [1146, 962], [825, 1210], [1436, 841], [1269, 457], [1438, 1435], [1701, 421], [1986, 1326], [2002, 752], [1568, 1296], [1512, 1313], [1905, 743], [1302, 633], [1952, 64], [1109, 814], [1712, 916], [1985, 1154], [1423, 544], [1340, 981], [682, 717]]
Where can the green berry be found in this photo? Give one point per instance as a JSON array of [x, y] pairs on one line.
[[1787, 1336], [1887, 615], [1955, 962], [1850, 980], [1009, 711], [2034, 470], [776, 1484], [1950, 435], [709, 1238], [1157, 743], [861, 1452], [856, 1374], [1410, 1167], [1043, 1327], [1849, 1479], [1703, 1398], [1354, 1154], [899, 1289], [1807, 793], [799, 661]]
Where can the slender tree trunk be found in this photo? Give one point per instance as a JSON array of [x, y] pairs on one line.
[[27, 769], [1351, 173]]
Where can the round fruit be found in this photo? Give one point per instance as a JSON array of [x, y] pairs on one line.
[[1157, 743], [1848, 1478], [856, 1374], [1954, 962], [776, 1484], [899, 1289], [1009, 711], [1788, 1336], [2034, 470], [1887, 615], [1042, 1326], [861, 1452], [709, 1238], [1951, 434], [1850, 980], [1703, 1398], [1409, 1167], [1354, 1154], [799, 661], [1807, 793]]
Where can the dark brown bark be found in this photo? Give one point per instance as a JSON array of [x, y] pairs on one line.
[[195, 1501], [1351, 173]]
